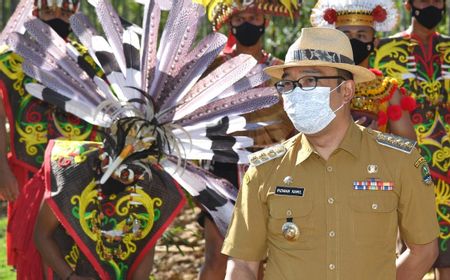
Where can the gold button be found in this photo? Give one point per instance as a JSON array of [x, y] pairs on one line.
[[331, 266], [374, 206], [330, 200], [332, 234], [329, 168]]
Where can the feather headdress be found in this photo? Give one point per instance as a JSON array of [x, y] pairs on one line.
[[154, 100], [381, 15], [220, 11], [15, 22]]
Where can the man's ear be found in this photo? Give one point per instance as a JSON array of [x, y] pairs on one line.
[[348, 90]]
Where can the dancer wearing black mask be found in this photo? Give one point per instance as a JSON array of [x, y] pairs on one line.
[[377, 103], [246, 22], [32, 124], [418, 58]]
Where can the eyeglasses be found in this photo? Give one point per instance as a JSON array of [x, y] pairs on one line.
[[305, 83]]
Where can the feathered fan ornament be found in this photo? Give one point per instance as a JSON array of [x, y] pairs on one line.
[[153, 101]]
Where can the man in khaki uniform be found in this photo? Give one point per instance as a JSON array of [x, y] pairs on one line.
[[327, 203]]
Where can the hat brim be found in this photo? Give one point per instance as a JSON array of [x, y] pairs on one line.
[[360, 74]]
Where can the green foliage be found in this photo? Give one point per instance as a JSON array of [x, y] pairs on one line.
[[6, 271]]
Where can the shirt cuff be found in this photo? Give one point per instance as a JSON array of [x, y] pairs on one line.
[[245, 254]]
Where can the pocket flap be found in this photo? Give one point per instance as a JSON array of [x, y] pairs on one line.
[[298, 207], [374, 202]]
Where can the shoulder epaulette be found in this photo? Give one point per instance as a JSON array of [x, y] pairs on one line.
[[267, 154], [396, 142]]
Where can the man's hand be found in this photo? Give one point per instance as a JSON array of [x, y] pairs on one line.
[[9, 189]]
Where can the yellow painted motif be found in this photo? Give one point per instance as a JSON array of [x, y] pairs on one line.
[[72, 257], [70, 131], [444, 49], [442, 191], [32, 135], [11, 66], [91, 221], [430, 89], [392, 50], [441, 159], [424, 135], [73, 150]]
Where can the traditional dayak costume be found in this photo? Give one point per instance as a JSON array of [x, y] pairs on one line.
[[371, 98], [423, 68], [32, 124], [281, 128], [114, 199], [220, 13]]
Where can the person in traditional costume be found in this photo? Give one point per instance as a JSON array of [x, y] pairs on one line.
[[379, 103], [106, 203], [246, 22], [419, 58], [32, 124]]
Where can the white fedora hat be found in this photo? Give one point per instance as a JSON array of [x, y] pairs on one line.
[[319, 46]]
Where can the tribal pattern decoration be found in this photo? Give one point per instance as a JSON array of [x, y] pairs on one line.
[[34, 122], [114, 224], [425, 74], [153, 100]]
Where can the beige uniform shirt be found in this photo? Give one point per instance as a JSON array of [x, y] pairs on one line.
[[345, 233]]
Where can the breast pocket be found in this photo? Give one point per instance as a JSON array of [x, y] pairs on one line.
[[374, 216], [300, 209]]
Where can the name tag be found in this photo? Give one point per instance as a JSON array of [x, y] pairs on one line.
[[289, 191]]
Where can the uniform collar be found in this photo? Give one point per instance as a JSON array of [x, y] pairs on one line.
[[352, 140], [304, 149], [351, 143]]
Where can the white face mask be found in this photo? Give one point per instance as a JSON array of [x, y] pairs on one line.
[[309, 110]]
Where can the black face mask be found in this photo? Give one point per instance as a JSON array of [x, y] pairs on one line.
[[248, 34], [361, 50], [60, 26], [429, 16]]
